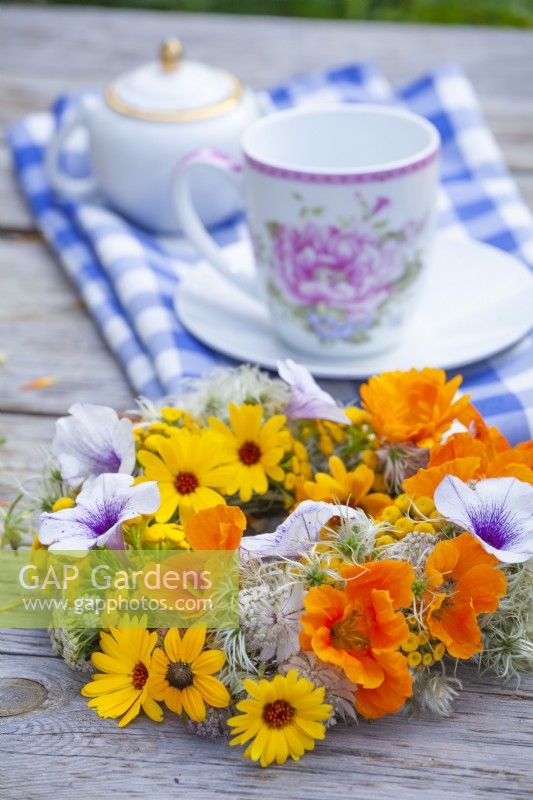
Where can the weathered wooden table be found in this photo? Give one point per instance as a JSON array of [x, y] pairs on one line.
[[50, 744]]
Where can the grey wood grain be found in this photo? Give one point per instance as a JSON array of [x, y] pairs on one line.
[[14, 213], [27, 439], [45, 331], [73, 751], [24, 643], [96, 43]]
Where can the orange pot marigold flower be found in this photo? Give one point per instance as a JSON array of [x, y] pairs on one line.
[[415, 406], [488, 454], [217, 528], [353, 628], [463, 582]]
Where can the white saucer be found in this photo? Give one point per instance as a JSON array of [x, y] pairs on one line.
[[476, 301]]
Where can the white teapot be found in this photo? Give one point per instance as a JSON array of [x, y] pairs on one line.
[[142, 126]]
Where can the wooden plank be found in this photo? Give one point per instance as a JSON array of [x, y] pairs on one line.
[[25, 643], [96, 43], [73, 751], [44, 331], [28, 438], [14, 213]]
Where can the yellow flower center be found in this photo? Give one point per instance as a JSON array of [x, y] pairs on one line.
[[139, 676], [249, 453], [346, 635], [186, 482], [179, 674], [278, 714]]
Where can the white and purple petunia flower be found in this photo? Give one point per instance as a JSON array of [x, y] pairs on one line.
[[92, 441], [299, 531], [497, 511], [308, 400], [101, 507]]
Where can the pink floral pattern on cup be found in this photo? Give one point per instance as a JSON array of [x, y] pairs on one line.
[[343, 277]]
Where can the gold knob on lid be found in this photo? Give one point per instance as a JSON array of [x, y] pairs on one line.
[[170, 54]]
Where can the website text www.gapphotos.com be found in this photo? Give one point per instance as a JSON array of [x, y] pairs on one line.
[[106, 588]]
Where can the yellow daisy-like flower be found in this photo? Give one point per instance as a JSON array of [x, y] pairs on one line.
[[183, 674], [123, 686], [283, 717], [253, 448], [350, 487], [187, 469]]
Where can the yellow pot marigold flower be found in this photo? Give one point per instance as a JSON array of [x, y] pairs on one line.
[[188, 468], [123, 685], [280, 718], [183, 674], [414, 406], [253, 448], [351, 488]]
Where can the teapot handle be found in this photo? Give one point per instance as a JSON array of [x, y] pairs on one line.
[[63, 183], [193, 226]]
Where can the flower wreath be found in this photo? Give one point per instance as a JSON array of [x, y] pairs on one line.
[[405, 528]]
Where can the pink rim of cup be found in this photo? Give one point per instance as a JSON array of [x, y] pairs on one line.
[[355, 176]]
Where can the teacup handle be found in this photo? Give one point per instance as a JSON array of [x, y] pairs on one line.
[[66, 184], [193, 226]]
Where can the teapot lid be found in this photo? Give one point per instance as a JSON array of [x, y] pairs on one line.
[[174, 89]]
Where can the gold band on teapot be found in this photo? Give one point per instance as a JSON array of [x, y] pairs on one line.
[[187, 115]]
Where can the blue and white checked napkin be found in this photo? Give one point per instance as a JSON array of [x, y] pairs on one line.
[[127, 278]]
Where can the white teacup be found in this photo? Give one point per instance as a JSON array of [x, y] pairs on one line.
[[340, 203]]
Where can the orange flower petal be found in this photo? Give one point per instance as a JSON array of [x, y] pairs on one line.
[[392, 693], [424, 482], [484, 586], [456, 627], [217, 528], [442, 561], [416, 405], [390, 628], [394, 576], [468, 457], [471, 583]]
